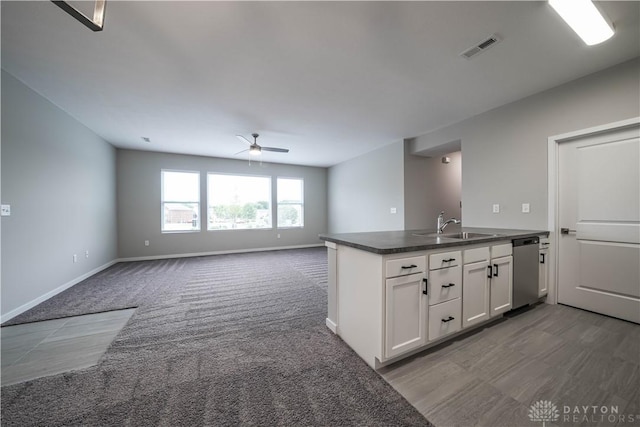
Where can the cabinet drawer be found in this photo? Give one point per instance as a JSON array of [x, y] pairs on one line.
[[445, 284], [445, 259], [444, 318], [475, 255], [498, 251], [403, 266]]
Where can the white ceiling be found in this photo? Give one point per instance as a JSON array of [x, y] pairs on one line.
[[329, 80]]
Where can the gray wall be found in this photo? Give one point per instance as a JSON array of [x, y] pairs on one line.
[[59, 178], [505, 150], [363, 190], [139, 195], [431, 187]]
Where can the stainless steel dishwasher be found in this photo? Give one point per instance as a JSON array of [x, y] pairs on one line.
[[525, 271]]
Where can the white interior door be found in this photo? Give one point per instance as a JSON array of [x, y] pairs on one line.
[[599, 205]]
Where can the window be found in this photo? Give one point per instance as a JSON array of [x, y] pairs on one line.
[[180, 201], [290, 202], [237, 202]]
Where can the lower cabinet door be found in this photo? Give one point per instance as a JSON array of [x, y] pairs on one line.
[[444, 318], [405, 314], [543, 274], [501, 285], [475, 293]]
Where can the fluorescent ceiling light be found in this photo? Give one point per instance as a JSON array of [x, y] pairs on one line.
[[585, 19]]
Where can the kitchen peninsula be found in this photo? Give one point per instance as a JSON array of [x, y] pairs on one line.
[[394, 293]]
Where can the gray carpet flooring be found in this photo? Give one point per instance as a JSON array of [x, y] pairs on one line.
[[221, 340]]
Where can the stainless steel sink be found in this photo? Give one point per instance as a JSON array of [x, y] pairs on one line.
[[464, 235]]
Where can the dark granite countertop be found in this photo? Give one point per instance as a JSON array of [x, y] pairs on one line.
[[393, 242]]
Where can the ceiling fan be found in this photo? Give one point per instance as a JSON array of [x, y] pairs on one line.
[[255, 149]]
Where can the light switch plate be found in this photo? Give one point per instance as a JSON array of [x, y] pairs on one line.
[[496, 208], [394, 210], [525, 208], [6, 210]]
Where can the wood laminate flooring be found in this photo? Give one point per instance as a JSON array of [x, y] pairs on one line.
[[554, 353], [39, 349]]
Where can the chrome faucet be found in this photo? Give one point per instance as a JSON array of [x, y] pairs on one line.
[[442, 223]]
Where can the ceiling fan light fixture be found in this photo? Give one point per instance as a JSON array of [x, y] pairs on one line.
[[585, 19], [255, 150], [95, 24]]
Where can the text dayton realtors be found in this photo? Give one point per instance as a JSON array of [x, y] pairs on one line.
[[596, 414]]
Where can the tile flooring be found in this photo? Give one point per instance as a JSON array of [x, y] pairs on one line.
[[39, 349], [549, 352]]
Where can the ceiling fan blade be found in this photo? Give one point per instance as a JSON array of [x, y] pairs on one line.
[[277, 150], [240, 152], [243, 139]]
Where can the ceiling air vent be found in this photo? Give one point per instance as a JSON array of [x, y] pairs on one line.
[[480, 47]]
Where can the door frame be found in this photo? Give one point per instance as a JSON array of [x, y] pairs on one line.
[[553, 147]]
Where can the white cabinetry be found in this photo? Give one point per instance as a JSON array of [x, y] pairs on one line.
[[501, 292], [476, 275], [405, 306], [445, 291], [445, 284], [543, 268], [385, 310]]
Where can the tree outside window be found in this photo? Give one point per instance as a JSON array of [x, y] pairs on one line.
[[290, 202], [237, 202]]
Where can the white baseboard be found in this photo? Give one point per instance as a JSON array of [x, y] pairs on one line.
[[332, 326], [235, 251], [13, 313]]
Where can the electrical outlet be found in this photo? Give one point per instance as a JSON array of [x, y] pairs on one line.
[[496, 208], [6, 210], [75, 258], [525, 208], [146, 243], [394, 210], [86, 254]]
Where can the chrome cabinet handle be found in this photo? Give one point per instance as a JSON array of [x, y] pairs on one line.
[[567, 231]]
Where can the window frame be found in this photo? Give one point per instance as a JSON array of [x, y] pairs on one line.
[[301, 203], [270, 199], [163, 202]]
